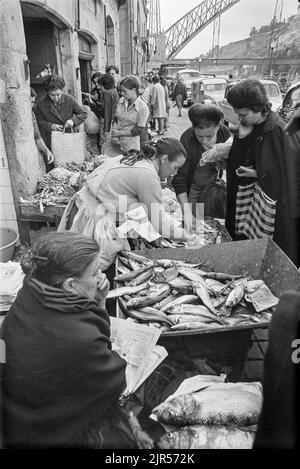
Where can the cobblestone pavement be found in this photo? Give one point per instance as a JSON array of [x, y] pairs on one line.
[[177, 125]]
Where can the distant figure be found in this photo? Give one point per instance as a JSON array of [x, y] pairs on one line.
[[150, 76], [146, 89], [179, 95], [110, 102], [163, 83], [115, 72], [158, 104]]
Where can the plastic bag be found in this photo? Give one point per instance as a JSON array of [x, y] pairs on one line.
[[219, 152]]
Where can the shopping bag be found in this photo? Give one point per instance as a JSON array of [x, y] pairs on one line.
[[67, 147], [255, 212]]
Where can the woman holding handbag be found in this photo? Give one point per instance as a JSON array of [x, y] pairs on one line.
[[262, 199], [57, 111]]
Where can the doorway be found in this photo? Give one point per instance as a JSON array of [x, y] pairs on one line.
[[85, 63]]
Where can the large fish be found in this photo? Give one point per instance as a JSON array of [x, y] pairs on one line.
[[208, 437], [218, 404]]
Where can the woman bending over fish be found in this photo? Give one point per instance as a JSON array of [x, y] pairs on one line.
[[120, 184]]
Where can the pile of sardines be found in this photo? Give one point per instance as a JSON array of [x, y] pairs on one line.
[[174, 295]]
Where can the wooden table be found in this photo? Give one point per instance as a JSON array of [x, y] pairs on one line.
[[29, 213]]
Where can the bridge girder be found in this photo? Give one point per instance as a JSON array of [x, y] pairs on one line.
[[185, 29]]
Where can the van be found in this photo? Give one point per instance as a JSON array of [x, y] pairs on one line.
[[213, 88]]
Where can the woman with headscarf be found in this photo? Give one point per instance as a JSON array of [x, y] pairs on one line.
[[61, 381]]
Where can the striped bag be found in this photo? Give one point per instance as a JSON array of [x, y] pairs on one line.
[[255, 212]]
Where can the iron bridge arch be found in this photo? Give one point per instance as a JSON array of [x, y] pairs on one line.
[[185, 29]]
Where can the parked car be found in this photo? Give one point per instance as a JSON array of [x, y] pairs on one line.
[[213, 88], [188, 75], [273, 93], [290, 102]]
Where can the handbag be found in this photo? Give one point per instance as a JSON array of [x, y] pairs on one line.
[[67, 146], [255, 212], [214, 197]]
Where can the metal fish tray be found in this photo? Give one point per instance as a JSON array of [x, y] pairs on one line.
[[261, 259]]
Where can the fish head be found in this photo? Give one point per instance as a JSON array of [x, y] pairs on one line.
[[176, 410], [178, 439]]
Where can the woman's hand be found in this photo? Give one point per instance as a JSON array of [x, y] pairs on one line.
[[57, 127], [49, 156], [246, 172], [102, 290]]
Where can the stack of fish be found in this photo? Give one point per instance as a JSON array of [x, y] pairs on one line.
[[174, 295], [219, 416]]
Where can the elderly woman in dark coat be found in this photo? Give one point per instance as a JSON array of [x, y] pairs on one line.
[[262, 152], [57, 110], [61, 379]]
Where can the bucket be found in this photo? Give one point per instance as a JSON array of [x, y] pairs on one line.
[[8, 240]]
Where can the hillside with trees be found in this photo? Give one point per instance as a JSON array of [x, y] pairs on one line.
[[286, 41]]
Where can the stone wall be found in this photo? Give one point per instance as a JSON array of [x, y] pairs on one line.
[[24, 161]]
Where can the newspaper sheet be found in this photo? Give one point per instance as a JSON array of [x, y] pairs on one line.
[[157, 356], [135, 343], [11, 280]]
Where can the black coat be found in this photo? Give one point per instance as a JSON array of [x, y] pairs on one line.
[[277, 167], [60, 375], [47, 114], [279, 420], [183, 180]]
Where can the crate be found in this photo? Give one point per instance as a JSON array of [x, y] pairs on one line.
[[262, 259]]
